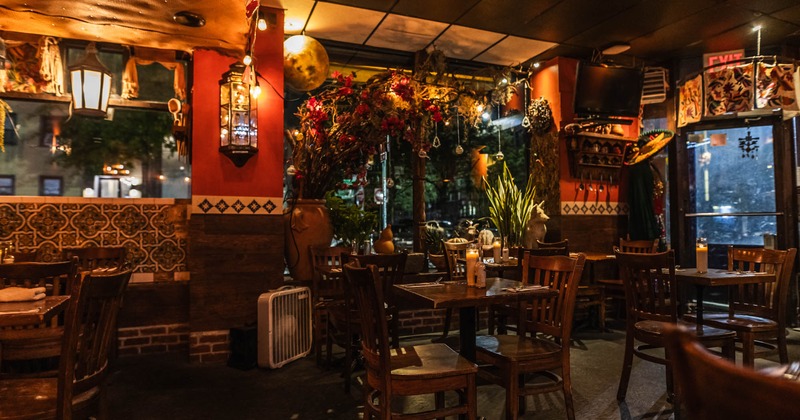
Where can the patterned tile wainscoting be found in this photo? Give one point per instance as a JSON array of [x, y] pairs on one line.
[[206, 204], [154, 231], [591, 208]]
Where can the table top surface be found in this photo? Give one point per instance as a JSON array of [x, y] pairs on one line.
[[458, 295], [20, 314], [719, 277], [595, 256]]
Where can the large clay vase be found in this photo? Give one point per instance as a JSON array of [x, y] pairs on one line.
[[306, 223]]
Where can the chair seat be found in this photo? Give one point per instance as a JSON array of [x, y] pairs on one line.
[[429, 361], [611, 282], [745, 323], [656, 329], [28, 398], [516, 347], [586, 290]]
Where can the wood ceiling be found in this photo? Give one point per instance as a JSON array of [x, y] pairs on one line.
[[387, 32]]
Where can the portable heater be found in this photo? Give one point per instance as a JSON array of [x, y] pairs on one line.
[[284, 326]]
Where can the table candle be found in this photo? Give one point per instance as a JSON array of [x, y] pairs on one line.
[[496, 251], [471, 259], [701, 254]]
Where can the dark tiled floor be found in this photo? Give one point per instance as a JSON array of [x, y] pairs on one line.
[[167, 387]]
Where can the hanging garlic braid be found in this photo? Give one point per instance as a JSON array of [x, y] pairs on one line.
[[52, 69]]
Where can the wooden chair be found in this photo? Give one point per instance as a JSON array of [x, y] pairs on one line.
[[757, 312], [96, 257], [651, 298], [390, 268], [25, 351], [613, 289], [589, 295], [407, 371], [455, 271], [327, 290], [715, 389], [501, 315], [24, 256], [511, 359], [79, 390]]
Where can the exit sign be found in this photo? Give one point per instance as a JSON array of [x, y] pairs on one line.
[[719, 59]]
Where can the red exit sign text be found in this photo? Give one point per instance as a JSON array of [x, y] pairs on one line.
[[719, 59]]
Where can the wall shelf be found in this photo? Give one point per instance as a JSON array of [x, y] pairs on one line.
[[597, 156]]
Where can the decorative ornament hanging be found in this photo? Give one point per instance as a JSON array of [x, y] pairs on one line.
[[436, 142], [499, 155], [749, 146], [542, 116], [526, 122], [423, 154], [459, 150], [389, 183]]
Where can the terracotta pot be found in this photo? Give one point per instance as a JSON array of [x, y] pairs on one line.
[[306, 223], [438, 261]]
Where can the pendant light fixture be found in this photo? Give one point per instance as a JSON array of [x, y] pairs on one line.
[[91, 85]]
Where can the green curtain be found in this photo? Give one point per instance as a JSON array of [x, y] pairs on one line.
[[642, 220]]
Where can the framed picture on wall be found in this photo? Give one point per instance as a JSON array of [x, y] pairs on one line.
[[7, 186], [51, 185]]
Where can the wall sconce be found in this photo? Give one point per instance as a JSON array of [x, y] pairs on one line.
[[238, 114], [91, 85]]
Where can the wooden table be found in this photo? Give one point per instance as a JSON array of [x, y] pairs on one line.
[[20, 314], [716, 277], [467, 300], [592, 258]]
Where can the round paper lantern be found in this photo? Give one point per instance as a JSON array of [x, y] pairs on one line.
[[305, 63]]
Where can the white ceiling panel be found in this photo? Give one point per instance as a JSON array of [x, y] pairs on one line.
[[342, 23], [514, 50], [295, 14], [465, 43], [405, 33]]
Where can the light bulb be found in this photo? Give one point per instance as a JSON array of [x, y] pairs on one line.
[[262, 24], [479, 107], [499, 156], [459, 150], [255, 91], [247, 60], [536, 65]]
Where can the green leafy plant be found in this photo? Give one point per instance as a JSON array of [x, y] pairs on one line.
[[350, 223], [509, 207], [434, 236]]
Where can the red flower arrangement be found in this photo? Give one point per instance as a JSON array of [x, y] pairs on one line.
[[344, 124]]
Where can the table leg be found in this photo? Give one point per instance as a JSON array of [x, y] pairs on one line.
[[467, 332], [700, 290]]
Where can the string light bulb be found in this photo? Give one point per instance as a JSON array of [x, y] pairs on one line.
[[262, 24], [247, 60], [256, 91]]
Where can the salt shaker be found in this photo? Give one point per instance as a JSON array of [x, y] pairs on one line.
[[480, 272], [505, 253]]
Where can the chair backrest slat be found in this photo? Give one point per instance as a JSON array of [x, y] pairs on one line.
[[650, 289], [97, 257], [88, 330], [762, 299], [452, 252], [325, 286], [644, 246], [552, 316], [390, 270]]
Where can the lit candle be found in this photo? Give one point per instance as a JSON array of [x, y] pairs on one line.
[[472, 258], [496, 251], [701, 253]]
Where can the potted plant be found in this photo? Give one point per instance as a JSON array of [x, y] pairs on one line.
[[510, 208], [351, 225]]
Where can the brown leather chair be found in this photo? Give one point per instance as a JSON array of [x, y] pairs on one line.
[[711, 388], [651, 299], [757, 312], [25, 352], [407, 371], [79, 390], [511, 358]]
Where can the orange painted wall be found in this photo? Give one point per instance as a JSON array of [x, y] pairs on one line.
[[555, 80], [212, 172]]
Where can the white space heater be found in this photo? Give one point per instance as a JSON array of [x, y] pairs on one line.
[[284, 326]]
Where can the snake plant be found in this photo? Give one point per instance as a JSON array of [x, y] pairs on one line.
[[509, 207]]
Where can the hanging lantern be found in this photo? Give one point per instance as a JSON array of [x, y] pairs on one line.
[[238, 114], [91, 85]]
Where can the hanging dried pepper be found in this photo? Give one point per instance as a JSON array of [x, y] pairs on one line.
[[4, 109]]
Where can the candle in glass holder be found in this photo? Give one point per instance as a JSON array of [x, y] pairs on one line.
[[701, 253], [496, 251], [472, 258]]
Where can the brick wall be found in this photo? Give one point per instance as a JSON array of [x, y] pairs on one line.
[[153, 339], [209, 346]]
